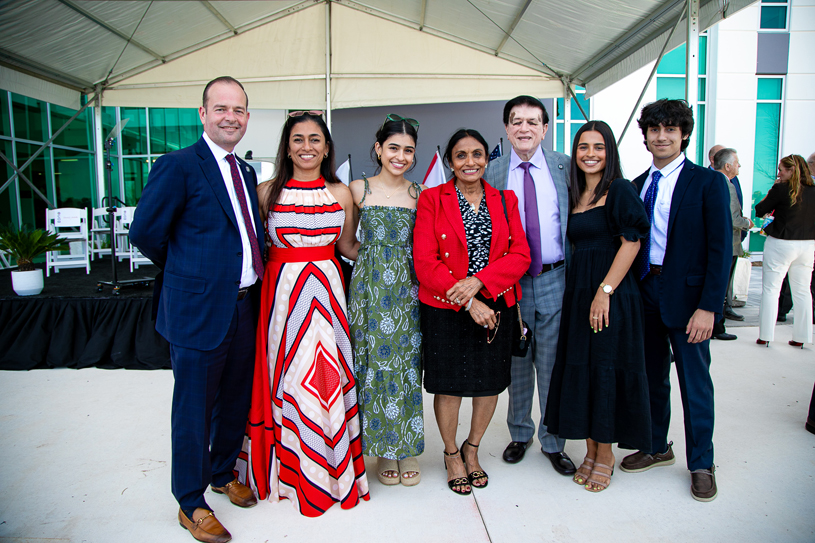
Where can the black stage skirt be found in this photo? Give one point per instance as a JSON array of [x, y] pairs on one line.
[[457, 359]]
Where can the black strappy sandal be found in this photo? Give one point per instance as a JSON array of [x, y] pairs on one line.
[[473, 475], [458, 481]]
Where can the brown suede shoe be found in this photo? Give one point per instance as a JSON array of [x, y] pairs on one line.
[[703, 484], [205, 527], [640, 461], [239, 494]]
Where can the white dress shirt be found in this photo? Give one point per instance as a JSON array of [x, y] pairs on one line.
[[248, 275], [548, 206], [662, 207]]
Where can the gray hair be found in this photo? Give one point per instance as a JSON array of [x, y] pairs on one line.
[[723, 157]]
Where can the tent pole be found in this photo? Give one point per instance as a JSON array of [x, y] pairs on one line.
[[567, 116], [692, 70], [650, 77], [328, 64], [99, 149]]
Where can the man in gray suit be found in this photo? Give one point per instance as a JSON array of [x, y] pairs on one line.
[[540, 179]]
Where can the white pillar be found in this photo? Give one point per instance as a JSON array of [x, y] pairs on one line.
[[328, 65], [692, 71], [567, 117], [99, 146]]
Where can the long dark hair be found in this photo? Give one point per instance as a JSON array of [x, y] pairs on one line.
[[611, 172], [388, 129], [284, 168]]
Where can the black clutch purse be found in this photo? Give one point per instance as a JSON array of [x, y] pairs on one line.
[[523, 337]]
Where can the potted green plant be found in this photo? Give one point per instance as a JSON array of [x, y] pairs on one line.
[[24, 246]]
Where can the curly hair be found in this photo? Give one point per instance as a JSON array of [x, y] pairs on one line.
[[800, 176], [668, 113]]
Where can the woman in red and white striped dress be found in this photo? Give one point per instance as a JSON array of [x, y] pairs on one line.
[[304, 434]]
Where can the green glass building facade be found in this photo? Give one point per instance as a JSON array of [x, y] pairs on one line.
[[65, 171]]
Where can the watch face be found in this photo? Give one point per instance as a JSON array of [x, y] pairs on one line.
[[607, 289]]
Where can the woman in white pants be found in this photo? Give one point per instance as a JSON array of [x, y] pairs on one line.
[[790, 248]]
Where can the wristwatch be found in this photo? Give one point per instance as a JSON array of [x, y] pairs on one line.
[[607, 289]]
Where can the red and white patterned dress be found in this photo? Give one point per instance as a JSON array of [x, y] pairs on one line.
[[304, 440]]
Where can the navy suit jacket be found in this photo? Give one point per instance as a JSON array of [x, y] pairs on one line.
[[185, 224], [698, 254]]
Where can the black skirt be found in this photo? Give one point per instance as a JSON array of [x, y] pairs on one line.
[[458, 360]]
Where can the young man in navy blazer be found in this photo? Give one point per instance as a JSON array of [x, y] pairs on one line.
[[684, 266], [198, 220]]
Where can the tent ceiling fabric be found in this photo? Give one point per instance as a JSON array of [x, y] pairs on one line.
[[407, 51]]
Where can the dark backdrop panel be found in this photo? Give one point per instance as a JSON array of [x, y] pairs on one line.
[[354, 130]]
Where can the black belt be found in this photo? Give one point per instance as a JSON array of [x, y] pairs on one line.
[[549, 267], [242, 293], [655, 270]]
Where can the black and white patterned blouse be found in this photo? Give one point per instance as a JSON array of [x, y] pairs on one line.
[[478, 228]]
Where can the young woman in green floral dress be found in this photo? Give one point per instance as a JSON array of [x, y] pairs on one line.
[[383, 308]]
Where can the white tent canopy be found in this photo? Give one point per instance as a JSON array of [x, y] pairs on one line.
[[332, 53]]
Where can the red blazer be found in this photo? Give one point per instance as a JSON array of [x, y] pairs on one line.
[[440, 246]]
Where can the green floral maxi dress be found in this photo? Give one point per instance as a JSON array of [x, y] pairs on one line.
[[383, 308]]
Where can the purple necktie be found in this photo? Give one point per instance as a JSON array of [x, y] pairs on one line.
[[533, 225], [257, 263], [644, 256]]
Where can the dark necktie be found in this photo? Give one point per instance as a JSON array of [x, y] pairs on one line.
[[257, 262], [644, 256], [533, 225]]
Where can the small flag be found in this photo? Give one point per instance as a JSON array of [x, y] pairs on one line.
[[496, 153], [344, 172], [435, 173]]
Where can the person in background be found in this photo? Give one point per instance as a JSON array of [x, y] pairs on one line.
[[383, 307], [597, 361], [198, 221], [726, 162], [469, 252], [789, 247], [540, 180], [683, 268]]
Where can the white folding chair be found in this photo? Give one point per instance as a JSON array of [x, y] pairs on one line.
[[72, 225], [100, 232], [124, 217], [5, 263]]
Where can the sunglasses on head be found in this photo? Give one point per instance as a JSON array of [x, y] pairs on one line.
[[394, 117], [301, 113]]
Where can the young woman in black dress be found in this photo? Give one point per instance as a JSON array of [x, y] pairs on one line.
[[599, 390]]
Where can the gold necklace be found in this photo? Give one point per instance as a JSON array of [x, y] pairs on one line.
[[388, 196]]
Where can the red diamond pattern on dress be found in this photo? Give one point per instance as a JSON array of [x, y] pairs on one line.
[[323, 378]]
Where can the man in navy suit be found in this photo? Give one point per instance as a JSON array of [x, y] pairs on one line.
[[198, 221], [684, 266]]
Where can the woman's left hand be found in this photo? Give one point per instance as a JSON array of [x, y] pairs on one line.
[[598, 315], [465, 289]]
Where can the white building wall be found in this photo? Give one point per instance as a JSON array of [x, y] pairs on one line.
[[799, 109]]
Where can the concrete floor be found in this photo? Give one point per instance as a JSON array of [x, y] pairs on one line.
[[85, 457]]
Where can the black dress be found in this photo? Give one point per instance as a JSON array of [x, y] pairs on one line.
[[599, 389]]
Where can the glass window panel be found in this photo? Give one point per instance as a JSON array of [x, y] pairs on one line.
[[769, 88], [75, 178], [559, 108], [32, 207], [77, 134], [584, 103], [8, 198], [773, 17], [575, 128], [5, 123], [30, 120], [702, 89], [108, 120], [765, 162], [134, 135], [173, 129], [559, 137], [702, 55], [699, 128], [135, 177], [673, 62], [671, 87]]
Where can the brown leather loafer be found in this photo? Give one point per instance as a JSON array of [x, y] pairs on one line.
[[205, 527], [703, 484], [239, 494], [640, 461]]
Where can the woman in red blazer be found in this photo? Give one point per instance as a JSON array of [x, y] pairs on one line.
[[469, 252]]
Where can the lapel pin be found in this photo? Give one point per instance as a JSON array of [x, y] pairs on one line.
[[560, 166]]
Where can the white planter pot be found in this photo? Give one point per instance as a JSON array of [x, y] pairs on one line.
[[27, 283]]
